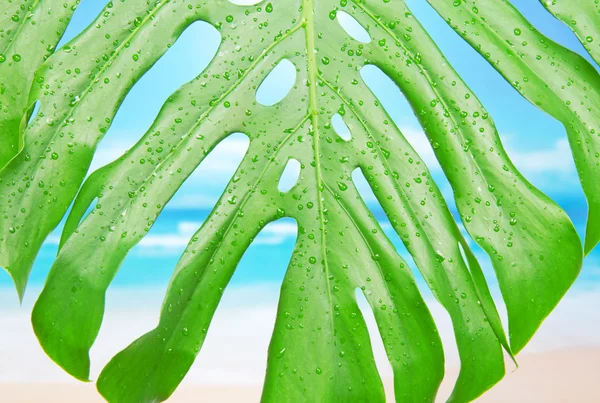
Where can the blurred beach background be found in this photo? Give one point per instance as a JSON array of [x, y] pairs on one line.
[[561, 364]]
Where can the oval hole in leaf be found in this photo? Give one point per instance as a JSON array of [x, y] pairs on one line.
[[277, 84], [366, 193], [340, 127], [290, 175], [353, 27]]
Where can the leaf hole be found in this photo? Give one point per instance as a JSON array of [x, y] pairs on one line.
[[32, 112], [277, 84], [281, 232], [392, 99], [400, 111], [202, 189], [353, 27], [183, 62], [366, 192], [340, 127], [86, 13], [290, 175], [381, 361], [441, 317], [67, 230]]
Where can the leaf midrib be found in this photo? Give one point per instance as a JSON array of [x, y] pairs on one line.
[[308, 24], [313, 74]]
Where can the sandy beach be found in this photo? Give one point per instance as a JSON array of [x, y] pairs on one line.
[[561, 364], [561, 376]]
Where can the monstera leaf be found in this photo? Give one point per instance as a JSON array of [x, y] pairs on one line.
[[321, 349], [79, 94], [553, 78], [20, 57], [584, 21]]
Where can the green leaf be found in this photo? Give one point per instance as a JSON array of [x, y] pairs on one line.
[[584, 21], [321, 349], [553, 78], [20, 57], [79, 88]]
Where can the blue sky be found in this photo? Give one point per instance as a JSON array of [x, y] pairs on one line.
[[536, 143]]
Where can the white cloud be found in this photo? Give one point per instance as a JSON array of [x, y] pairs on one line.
[[277, 233], [172, 242], [53, 239], [552, 170], [418, 139], [530, 161], [224, 159], [182, 200], [188, 227], [557, 159], [273, 234], [165, 241], [107, 152]]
